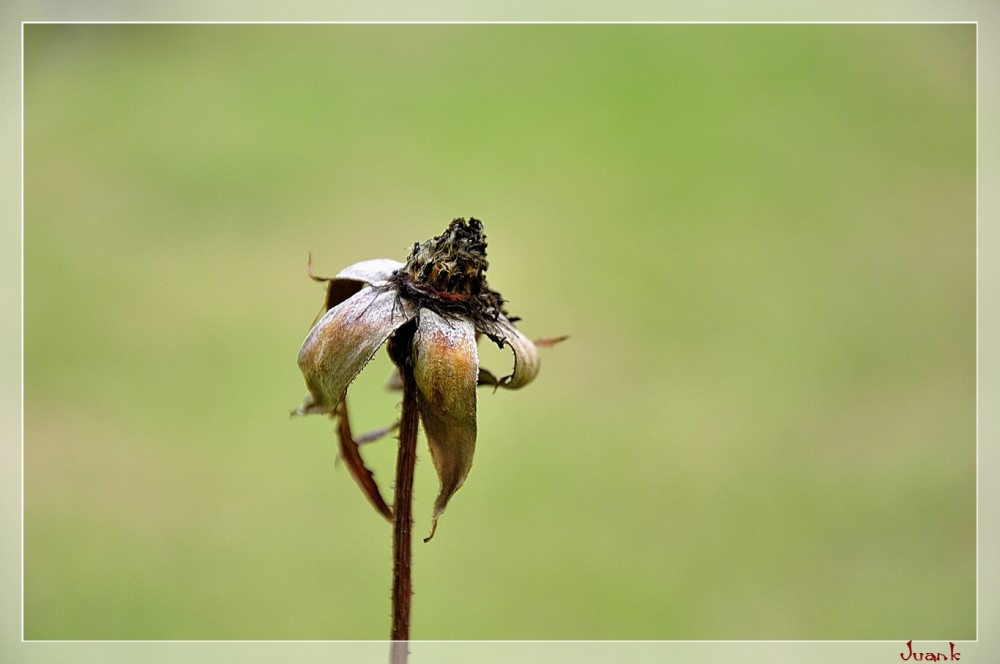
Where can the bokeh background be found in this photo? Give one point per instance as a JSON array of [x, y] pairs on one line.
[[760, 237]]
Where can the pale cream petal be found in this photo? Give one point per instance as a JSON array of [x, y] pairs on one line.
[[352, 279], [446, 369], [373, 271], [526, 360], [344, 340]]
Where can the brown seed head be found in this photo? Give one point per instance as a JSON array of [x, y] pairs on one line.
[[447, 274], [452, 265]]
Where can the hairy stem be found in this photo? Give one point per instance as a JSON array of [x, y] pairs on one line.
[[402, 525]]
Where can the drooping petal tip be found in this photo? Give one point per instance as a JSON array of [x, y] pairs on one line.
[[351, 455], [446, 371]]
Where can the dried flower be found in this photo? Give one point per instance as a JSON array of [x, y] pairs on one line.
[[431, 310]]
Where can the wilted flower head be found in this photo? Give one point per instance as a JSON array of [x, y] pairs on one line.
[[432, 310]]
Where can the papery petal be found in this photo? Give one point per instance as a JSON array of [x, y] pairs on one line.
[[344, 340], [526, 360], [372, 271], [446, 369], [352, 278]]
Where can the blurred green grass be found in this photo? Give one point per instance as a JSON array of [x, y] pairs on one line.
[[760, 237]]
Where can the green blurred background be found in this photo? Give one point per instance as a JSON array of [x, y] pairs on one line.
[[760, 237]]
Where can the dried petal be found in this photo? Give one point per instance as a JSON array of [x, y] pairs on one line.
[[376, 434], [344, 340], [352, 278], [526, 360], [549, 342], [355, 464], [373, 271], [446, 369]]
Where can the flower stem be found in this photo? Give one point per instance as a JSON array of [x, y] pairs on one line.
[[402, 525]]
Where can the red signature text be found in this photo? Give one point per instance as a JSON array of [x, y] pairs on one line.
[[930, 655]]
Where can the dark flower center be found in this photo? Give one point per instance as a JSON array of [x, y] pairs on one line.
[[451, 265], [448, 274]]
